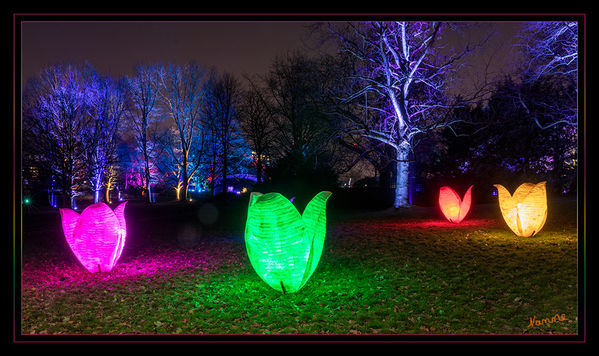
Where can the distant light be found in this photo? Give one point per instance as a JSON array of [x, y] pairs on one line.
[[26, 201]]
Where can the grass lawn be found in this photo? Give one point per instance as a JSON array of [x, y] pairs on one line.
[[386, 272]]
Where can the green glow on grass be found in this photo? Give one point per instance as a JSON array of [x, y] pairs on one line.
[[283, 246]]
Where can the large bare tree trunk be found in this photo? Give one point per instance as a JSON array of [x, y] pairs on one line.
[[401, 177]]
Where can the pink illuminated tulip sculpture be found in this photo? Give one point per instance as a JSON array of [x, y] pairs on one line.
[[454, 208], [97, 236]]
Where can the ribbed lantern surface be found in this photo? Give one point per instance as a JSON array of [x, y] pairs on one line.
[[526, 211], [96, 236], [283, 246]]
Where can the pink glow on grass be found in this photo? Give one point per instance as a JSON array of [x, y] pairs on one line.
[[437, 223], [51, 271]]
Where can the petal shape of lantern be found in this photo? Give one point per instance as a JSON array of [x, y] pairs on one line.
[[283, 246], [96, 236], [454, 208], [526, 211]]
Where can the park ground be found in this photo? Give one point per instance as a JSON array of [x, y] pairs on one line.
[[184, 272]]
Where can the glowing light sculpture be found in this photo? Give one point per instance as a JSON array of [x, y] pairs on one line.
[[454, 208], [526, 211], [96, 236], [283, 246]]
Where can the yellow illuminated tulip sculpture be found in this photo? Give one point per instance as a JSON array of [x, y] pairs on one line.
[[526, 211]]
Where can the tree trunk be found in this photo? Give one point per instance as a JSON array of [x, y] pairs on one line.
[[97, 186], [147, 174], [108, 188], [401, 177], [96, 195], [224, 174], [184, 182], [259, 169], [67, 185], [212, 178]]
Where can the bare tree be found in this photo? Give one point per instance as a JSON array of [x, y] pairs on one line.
[[399, 85], [183, 91], [223, 103], [257, 127], [143, 89], [55, 111], [296, 90], [212, 147], [551, 55], [107, 108], [550, 48]]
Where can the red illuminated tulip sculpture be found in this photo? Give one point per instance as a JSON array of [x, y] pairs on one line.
[[454, 208], [96, 236]]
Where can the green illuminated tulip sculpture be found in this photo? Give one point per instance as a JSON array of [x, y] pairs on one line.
[[283, 246]]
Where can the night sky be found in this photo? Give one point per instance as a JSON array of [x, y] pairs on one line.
[[114, 48]]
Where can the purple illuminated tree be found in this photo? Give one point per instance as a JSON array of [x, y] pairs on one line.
[[398, 88], [550, 51], [107, 108], [550, 48], [56, 106]]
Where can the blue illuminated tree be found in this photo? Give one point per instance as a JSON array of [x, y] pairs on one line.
[[183, 92]]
